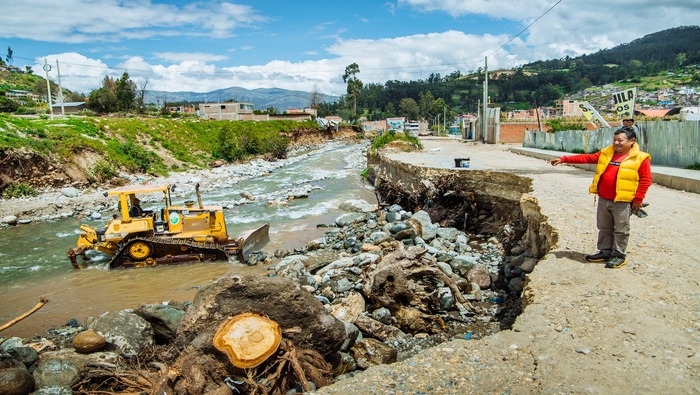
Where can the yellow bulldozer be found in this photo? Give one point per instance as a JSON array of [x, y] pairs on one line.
[[191, 232]]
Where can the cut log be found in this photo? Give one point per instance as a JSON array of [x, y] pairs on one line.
[[248, 339]]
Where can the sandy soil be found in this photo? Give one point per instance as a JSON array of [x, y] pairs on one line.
[[585, 329]]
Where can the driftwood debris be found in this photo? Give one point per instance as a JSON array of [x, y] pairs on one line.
[[39, 305], [406, 283]]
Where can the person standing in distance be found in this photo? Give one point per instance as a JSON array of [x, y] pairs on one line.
[[629, 122], [621, 181]]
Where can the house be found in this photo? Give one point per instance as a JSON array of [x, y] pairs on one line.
[[568, 108], [230, 111], [183, 109], [69, 108], [305, 110]]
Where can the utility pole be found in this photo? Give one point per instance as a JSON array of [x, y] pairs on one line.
[[47, 68], [60, 90], [444, 119], [484, 127]]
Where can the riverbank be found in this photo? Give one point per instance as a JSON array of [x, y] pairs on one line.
[[62, 203], [584, 328]]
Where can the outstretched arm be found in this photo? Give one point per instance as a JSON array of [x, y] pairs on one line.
[[555, 161]]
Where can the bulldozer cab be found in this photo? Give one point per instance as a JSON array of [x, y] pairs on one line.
[[190, 220]]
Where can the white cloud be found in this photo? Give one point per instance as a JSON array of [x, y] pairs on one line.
[[77, 21], [569, 29], [183, 56], [78, 73]]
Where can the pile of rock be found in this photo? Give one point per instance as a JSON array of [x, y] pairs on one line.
[[379, 286]]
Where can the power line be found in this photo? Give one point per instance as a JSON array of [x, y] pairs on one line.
[[476, 61], [526, 27]]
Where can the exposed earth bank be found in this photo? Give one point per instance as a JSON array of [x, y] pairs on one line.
[[49, 177], [584, 328]]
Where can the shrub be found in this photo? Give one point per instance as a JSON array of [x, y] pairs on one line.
[[103, 170], [391, 136], [18, 190], [557, 125]]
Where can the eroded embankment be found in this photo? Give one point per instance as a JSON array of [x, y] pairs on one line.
[[489, 203]]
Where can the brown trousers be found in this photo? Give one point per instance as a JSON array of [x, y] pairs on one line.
[[613, 221]]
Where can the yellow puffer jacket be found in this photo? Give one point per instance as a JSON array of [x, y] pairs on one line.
[[627, 176]]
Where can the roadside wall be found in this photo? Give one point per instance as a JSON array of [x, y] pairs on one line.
[[675, 144]]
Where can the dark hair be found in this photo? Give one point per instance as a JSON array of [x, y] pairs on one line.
[[628, 119], [629, 132]]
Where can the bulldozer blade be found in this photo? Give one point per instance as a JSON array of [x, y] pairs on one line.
[[253, 240]]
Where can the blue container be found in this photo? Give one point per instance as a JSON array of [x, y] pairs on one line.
[[462, 162]]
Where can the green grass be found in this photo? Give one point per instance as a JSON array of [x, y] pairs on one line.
[[391, 136], [139, 144]]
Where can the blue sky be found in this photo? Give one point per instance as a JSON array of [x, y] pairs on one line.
[[202, 46]]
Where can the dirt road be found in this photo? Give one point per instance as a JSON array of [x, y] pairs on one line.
[[586, 329]]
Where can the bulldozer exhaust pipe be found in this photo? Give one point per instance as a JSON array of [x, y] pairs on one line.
[[199, 196]]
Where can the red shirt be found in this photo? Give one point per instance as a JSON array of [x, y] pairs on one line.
[[607, 185]]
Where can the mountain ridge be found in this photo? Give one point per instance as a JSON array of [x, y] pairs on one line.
[[262, 98]]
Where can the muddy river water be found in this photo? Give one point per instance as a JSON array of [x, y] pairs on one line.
[[33, 261]]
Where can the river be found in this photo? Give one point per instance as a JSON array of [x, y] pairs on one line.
[[33, 261]]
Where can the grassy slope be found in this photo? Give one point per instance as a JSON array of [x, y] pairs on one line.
[[133, 144]]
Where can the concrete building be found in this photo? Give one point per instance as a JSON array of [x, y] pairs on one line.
[[568, 108], [230, 111]]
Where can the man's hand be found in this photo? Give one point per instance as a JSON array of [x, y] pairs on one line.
[[636, 205], [555, 161]]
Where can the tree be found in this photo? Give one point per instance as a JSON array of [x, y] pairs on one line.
[[102, 100], [125, 91], [408, 108], [141, 96], [425, 104], [389, 110], [315, 97], [8, 58], [680, 59], [354, 84]]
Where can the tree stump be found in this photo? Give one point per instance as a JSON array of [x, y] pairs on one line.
[[248, 339]]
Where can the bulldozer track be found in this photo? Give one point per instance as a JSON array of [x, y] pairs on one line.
[[170, 248]]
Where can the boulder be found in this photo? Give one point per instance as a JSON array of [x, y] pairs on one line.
[[294, 266], [88, 341], [480, 275], [70, 192], [27, 355], [128, 332], [16, 381], [369, 352], [347, 219], [428, 230], [56, 373], [163, 318], [357, 206], [10, 220]]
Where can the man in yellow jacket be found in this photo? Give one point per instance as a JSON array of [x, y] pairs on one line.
[[622, 178]]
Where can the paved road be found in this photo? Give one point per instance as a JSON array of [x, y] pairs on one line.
[[584, 329]]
